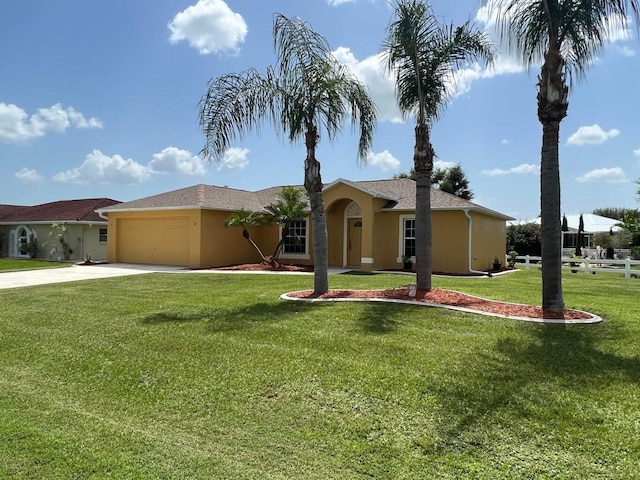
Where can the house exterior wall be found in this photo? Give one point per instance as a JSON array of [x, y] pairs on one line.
[[489, 241], [222, 245], [82, 238], [450, 241]]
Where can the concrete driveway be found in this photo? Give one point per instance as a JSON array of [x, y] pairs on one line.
[[28, 278]]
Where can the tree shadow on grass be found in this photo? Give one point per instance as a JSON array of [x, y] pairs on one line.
[[226, 319], [507, 381], [381, 318]]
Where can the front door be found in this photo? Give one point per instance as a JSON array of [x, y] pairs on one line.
[[354, 241]]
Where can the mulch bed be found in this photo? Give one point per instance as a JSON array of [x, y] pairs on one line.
[[448, 297]]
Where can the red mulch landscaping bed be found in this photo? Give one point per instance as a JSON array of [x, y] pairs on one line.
[[435, 296], [448, 297], [258, 267]]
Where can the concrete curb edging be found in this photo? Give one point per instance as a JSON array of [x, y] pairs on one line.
[[583, 321]]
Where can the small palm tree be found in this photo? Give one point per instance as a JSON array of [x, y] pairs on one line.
[[423, 55], [243, 218], [564, 36], [306, 91], [288, 207]]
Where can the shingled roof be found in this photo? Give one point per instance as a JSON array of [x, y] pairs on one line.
[[400, 194], [76, 211]]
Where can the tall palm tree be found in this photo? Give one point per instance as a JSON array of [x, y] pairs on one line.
[[243, 218], [287, 208], [564, 36], [308, 90], [423, 56]]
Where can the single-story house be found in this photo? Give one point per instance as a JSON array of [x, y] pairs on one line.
[[83, 230], [370, 226]]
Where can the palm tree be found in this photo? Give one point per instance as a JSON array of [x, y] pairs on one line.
[[423, 55], [564, 36], [286, 209], [243, 218], [307, 91]]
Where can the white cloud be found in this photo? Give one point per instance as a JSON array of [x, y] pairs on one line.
[[100, 168], [175, 160], [234, 158], [525, 168], [210, 26], [618, 29], [627, 51], [592, 135], [443, 165], [370, 72], [637, 152], [333, 3], [17, 126], [385, 160], [608, 175], [28, 175], [504, 142]]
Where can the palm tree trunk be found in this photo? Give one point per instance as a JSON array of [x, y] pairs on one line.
[[423, 165], [550, 227], [246, 235], [313, 186], [552, 108]]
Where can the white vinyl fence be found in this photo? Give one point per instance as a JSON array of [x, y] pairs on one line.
[[587, 265]]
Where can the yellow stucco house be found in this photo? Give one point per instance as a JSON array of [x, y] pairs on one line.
[[370, 226]]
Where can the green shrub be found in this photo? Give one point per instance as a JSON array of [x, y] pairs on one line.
[[524, 239], [635, 253]]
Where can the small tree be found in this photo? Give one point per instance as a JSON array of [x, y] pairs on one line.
[[286, 209], [59, 232], [452, 180], [243, 218]]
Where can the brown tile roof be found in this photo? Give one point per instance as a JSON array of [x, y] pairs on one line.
[[197, 196], [400, 193], [82, 210]]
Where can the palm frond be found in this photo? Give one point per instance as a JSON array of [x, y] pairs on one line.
[[578, 28], [233, 105], [422, 55]]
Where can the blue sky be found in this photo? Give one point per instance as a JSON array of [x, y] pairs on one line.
[[100, 99]]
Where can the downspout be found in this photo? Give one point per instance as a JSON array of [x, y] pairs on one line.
[[470, 224]]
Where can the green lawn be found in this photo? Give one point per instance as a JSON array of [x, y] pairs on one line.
[[13, 264], [212, 376]]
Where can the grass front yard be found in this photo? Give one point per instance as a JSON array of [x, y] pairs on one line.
[[13, 264], [212, 376]]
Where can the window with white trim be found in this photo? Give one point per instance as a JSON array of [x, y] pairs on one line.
[[102, 235], [408, 237], [296, 241]]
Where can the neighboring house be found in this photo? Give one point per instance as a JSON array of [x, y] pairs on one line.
[[84, 230], [370, 226]]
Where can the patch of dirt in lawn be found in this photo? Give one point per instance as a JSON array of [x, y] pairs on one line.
[[447, 297]]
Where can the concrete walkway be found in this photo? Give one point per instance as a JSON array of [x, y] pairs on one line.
[[44, 276], [28, 278]]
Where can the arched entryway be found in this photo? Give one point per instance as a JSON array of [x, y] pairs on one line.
[[18, 242]]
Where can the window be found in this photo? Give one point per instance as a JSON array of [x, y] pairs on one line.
[[409, 237], [296, 241], [102, 236]]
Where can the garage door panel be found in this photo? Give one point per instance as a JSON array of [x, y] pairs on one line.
[[156, 241]]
